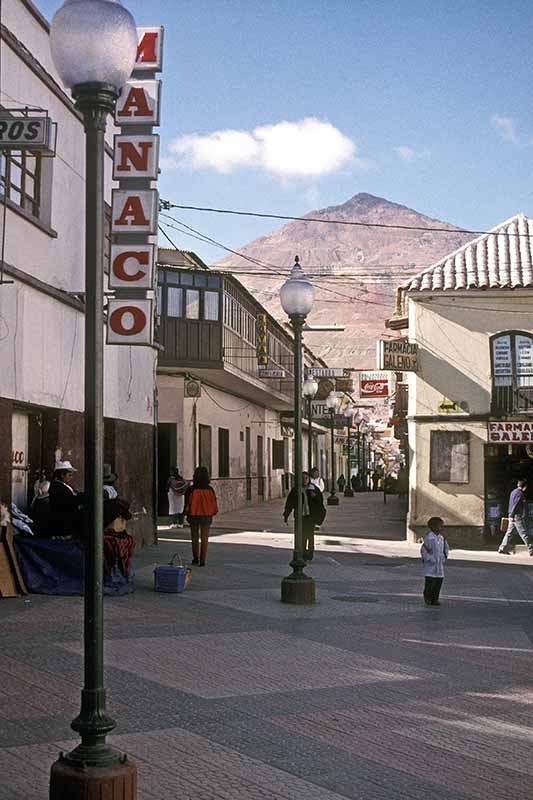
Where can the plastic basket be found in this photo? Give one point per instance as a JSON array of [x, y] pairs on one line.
[[171, 578]]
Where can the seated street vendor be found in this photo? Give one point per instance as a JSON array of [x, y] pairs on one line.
[[66, 504], [118, 544]]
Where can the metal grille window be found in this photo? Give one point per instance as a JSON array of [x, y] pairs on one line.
[[223, 453], [512, 372], [20, 180], [449, 456]]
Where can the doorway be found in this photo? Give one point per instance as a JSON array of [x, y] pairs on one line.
[[166, 459], [260, 468], [248, 456]]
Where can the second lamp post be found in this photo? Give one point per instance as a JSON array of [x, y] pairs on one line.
[[333, 402], [309, 390]]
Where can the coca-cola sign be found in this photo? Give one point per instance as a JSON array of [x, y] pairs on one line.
[[374, 384]]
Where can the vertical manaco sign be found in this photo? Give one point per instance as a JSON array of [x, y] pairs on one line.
[[135, 203]]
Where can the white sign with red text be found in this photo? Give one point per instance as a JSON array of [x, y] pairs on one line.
[[374, 384], [135, 211], [129, 321], [136, 157], [139, 103], [132, 265], [510, 432]]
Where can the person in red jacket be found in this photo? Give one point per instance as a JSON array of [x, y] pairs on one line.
[[200, 508]]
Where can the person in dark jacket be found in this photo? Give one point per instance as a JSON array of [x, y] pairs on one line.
[[200, 508], [65, 502], [313, 513], [517, 519]]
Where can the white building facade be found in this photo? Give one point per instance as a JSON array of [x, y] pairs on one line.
[[41, 307]]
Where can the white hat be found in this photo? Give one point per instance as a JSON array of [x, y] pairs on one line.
[[64, 465]]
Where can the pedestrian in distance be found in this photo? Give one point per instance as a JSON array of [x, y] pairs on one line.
[[434, 552], [200, 508], [313, 512], [517, 519], [110, 490], [316, 480], [66, 504], [176, 488], [341, 483]]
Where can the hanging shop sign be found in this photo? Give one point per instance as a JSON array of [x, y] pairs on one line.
[[374, 384], [35, 133], [510, 432], [330, 372], [398, 355], [271, 373], [135, 203]]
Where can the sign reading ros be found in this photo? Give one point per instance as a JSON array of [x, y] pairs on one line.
[[135, 202]]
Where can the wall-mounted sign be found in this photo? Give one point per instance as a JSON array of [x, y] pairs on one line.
[[135, 204], [502, 360], [510, 432], [271, 373], [129, 321], [32, 133], [398, 355], [374, 384], [449, 407], [261, 339], [333, 372]]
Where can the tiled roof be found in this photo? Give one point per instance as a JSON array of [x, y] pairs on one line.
[[502, 258]]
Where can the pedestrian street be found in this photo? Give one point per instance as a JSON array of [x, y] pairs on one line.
[[223, 692]]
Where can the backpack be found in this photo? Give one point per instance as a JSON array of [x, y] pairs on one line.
[[202, 503]]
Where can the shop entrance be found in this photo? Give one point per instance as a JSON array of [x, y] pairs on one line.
[[504, 464]]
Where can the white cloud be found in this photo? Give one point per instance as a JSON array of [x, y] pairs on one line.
[[407, 153], [506, 128], [305, 149]]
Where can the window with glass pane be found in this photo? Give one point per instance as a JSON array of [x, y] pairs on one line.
[[174, 302], [20, 174], [193, 304], [173, 277], [200, 280], [213, 282], [211, 300]]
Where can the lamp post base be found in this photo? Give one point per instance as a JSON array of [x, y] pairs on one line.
[[348, 492], [71, 781], [333, 500], [298, 591]]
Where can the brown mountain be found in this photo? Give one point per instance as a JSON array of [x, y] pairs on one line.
[[356, 269]]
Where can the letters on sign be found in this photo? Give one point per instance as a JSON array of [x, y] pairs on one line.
[[129, 321], [134, 206], [149, 50], [509, 432], [139, 103], [374, 384], [132, 266], [136, 157], [134, 212]]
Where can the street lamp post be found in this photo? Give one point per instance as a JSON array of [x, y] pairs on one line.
[[349, 412], [309, 390], [94, 47], [297, 295], [333, 402]]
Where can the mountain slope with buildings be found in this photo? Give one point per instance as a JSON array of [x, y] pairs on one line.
[[356, 268]]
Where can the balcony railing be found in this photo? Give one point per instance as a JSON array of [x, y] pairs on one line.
[[512, 394]]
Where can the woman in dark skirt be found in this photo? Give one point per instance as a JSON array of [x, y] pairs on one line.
[[200, 508]]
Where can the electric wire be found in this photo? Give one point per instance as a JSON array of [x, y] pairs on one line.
[[356, 223]]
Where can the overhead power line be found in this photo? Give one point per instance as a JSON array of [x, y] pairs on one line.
[[357, 223]]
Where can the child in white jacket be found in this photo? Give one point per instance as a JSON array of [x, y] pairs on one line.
[[434, 552]]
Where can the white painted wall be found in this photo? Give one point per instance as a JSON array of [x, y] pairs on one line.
[[41, 339]]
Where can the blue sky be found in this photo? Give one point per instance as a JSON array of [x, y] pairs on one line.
[[427, 104]]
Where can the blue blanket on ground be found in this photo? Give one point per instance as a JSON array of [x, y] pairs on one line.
[[56, 566]]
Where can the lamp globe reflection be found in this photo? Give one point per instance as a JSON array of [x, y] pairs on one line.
[[297, 294], [333, 401], [93, 41]]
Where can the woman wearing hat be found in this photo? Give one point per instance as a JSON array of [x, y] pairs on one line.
[[110, 490], [66, 503]]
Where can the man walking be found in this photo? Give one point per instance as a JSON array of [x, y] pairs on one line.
[[517, 518]]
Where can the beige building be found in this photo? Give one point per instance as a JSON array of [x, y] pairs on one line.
[[470, 409]]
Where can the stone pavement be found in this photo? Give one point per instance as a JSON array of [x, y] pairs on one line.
[[223, 693], [363, 515]]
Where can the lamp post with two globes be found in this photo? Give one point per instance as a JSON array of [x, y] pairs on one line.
[[349, 413], [297, 296], [94, 48]]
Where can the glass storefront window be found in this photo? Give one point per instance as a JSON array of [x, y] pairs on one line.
[[211, 303]]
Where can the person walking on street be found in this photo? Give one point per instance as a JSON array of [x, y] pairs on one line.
[[200, 508], [341, 483], [313, 512], [316, 480], [176, 488], [434, 552], [517, 519]]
